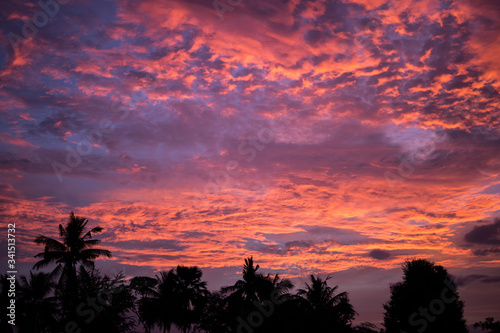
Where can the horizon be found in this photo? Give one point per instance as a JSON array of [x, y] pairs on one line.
[[320, 137]]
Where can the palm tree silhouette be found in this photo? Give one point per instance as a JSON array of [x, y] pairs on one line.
[[248, 288], [193, 294], [177, 299], [328, 309], [254, 289], [142, 286], [256, 286], [160, 307], [75, 247], [37, 304]]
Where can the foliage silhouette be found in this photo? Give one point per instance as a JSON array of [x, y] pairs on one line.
[[253, 286], [426, 300], [177, 299], [141, 287], [37, 304], [254, 290], [366, 327], [192, 294], [75, 247], [105, 303], [215, 317], [328, 311], [489, 324]]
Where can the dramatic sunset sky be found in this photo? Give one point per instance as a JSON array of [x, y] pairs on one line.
[[320, 137]]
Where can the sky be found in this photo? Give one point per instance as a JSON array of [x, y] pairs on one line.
[[319, 137]]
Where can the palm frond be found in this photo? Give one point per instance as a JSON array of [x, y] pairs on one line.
[[51, 255], [23, 281], [56, 272], [228, 289], [50, 243], [94, 254], [93, 230], [62, 231], [42, 263], [88, 263], [90, 242]]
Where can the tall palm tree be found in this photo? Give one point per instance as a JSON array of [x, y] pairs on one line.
[[247, 288], [256, 286], [141, 287], [193, 294], [75, 247], [159, 307], [37, 304], [177, 299], [254, 289], [328, 309]]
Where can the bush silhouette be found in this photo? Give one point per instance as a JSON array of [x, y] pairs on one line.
[[425, 301]]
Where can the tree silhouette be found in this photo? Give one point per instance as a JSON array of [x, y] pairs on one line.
[[256, 286], [328, 311], [159, 308], [366, 327], [489, 324], [141, 287], [75, 247], [254, 291], [192, 294], [251, 287], [426, 300], [38, 306], [177, 299], [105, 304], [215, 317]]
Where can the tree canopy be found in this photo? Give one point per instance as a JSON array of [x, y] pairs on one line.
[[426, 300]]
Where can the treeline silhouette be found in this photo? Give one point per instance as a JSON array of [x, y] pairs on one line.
[[75, 297]]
